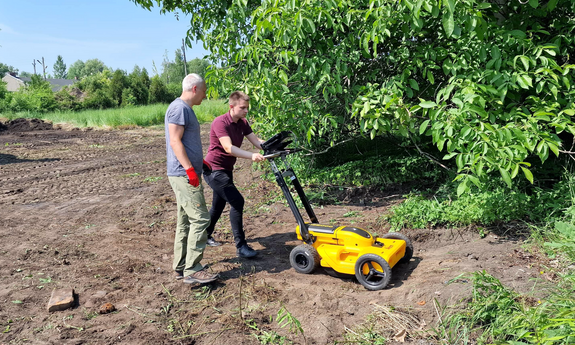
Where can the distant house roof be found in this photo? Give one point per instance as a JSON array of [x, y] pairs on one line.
[[15, 82]]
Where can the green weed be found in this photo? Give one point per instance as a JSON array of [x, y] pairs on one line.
[[265, 337], [152, 178], [285, 318], [497, 314]]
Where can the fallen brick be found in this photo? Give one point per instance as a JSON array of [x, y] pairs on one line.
[[61, 299]]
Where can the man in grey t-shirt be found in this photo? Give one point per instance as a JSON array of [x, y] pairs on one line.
[[184, 163]]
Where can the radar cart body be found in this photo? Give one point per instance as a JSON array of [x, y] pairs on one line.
[[344, 249]]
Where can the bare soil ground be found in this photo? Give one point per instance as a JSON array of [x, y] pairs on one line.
[[93, 211]]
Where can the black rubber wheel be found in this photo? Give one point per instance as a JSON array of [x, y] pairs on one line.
[[304, 258], [408, 245], [372, 271]]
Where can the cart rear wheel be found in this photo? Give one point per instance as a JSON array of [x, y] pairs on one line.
[[408, 245], [372, 271], [304, 258]]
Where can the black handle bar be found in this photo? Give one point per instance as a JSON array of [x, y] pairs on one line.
[[281, 153]]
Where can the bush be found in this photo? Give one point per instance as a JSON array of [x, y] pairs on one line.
[[35, 97], [67, 102], [492, 204], [3, 90], [128, 98], [159, 92], [174, 91], [98, 99]]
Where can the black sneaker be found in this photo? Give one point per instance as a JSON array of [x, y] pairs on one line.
[[246, 251], [213, 243]]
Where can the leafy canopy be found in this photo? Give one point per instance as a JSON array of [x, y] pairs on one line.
[[490, 83]]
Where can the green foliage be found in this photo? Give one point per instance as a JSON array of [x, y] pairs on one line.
[[158, 91], [118, 83], [128, 98], [492, 204], [372, 171], [75, 71], [286, 319], [138, 82], [174, 90], [500, 315], [66, 101], [5, 69], [5, 97], [79, 69], [198, 66], [37, 97], [3, 90], [98, 88], [489, 83], [60, 68]]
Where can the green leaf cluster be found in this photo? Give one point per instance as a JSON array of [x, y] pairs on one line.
[[489, 83]]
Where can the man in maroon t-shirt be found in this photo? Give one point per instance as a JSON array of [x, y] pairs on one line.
[[226, 136]]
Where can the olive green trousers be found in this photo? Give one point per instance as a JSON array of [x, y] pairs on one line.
[[192, 220]]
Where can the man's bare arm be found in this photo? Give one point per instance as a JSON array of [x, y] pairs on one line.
[[237, 152], [257, 142], [176, 133]]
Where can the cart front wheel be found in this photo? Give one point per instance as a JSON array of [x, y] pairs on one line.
[[304, 258], [372, 271]]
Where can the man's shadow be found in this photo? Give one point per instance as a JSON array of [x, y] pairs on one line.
[[6, 159]]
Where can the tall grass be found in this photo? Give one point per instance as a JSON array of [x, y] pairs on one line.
[[143, 116], [497, 314]]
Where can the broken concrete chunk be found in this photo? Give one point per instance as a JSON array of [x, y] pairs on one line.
[[61, 299]]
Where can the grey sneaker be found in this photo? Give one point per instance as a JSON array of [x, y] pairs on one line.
[[213, 243], [201, 277]]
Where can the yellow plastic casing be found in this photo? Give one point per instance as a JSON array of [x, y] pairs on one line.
[[341, 248]]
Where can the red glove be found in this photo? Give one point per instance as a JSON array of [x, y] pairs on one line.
[[207, 167], [193, 177]]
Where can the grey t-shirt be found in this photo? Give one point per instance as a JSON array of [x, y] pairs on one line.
[[180, 113]]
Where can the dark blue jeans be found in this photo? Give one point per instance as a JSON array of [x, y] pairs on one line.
[[222, 183]]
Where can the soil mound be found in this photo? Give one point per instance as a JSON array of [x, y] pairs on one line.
[[26, 125]]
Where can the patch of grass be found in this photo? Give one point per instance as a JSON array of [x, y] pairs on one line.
[[142, 116], [152, 178], [495, 203], [497, 314], [352, 214]]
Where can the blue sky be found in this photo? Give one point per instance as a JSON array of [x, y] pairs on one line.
[[118, 32]]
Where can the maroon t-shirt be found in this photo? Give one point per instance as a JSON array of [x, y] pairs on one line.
[[223, 126]]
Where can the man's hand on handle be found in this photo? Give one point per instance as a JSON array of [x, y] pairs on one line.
[[257, 157], [193, 177]]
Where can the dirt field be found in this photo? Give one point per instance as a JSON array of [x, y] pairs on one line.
[[93, 210]]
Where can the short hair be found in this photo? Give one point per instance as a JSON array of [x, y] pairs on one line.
[[192, 80], [236, 96]]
